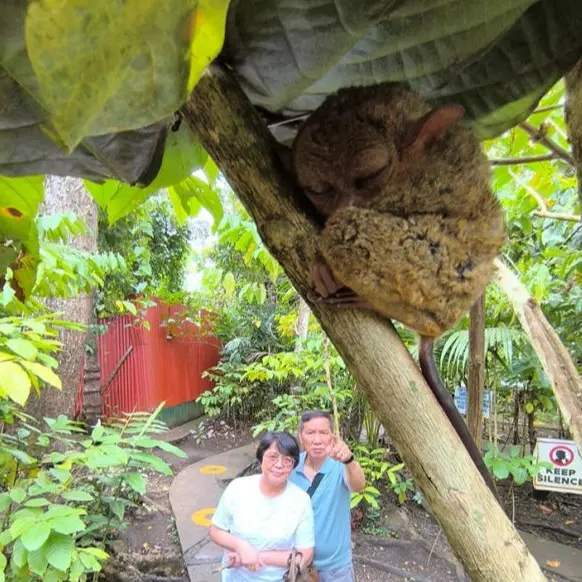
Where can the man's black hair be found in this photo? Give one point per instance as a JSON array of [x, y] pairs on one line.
[[311, 414]]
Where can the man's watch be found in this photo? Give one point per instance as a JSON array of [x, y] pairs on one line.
[[349, 460]]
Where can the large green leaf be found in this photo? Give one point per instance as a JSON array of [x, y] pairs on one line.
[[59, 550], [496, 59], [102, 76], [19, 202], [34, 537], [14, 382], [192, 194], [105, 67], [182, 156]]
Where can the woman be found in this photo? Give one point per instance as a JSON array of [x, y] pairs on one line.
[[260, 518]]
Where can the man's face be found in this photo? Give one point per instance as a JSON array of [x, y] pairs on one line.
[[316, 436]]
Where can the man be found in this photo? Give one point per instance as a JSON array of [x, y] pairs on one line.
[[327, 455]]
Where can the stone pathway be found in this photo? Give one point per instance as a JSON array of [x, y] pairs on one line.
[[194, 495], [196, 490]]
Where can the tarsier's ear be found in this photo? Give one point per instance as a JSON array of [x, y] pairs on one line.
[[433, 125]]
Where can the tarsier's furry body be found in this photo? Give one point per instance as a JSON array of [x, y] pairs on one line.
[[412, 226]]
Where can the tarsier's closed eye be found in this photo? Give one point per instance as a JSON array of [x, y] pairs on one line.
[[367, 180], [319, 194]]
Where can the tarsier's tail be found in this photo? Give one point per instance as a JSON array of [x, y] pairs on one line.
[[444, 398]]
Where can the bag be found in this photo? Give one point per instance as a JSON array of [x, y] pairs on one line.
[[297, 572]]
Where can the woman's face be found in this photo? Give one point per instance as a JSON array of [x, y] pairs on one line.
[[276, 467]]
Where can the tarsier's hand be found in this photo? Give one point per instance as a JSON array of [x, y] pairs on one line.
[[338, 450], [323, 279]]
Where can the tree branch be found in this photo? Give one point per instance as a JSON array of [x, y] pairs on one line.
[[538, 134], [484, 539], [543, 212], [522, 160], [573, 114], [555, 359]]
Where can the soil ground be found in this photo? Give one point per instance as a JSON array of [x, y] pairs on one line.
[[405, 538]]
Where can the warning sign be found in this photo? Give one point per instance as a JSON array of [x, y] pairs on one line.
[[566, 472]]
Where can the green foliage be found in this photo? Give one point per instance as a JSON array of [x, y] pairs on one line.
[[59, 269], [276, 389], [155, 249], [379, 472], [521, 469], [182, 156], [66, 492], [26, 360]]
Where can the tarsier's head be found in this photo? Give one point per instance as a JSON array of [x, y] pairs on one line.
[[360, 140]]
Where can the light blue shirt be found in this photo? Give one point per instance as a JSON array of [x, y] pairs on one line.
[[331, 514]]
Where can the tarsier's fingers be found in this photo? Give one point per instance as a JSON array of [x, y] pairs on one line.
[[347, 299], [323, 279]]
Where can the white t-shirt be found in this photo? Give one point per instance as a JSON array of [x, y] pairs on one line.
[[267, 523]]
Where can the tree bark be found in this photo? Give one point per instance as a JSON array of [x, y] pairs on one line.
[[555, 359], [302, 324], [573, 111], [482, 536], [66, 194], [476, 382]]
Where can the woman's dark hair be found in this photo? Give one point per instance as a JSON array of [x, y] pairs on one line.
[[286, 445]]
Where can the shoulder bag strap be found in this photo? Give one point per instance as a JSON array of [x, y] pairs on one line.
[[314, 484]]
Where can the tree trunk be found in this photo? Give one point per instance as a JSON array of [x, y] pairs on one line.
[[302, 324], [480, 533], [555, 359], [476, 380], [68, 195], [573, 111]]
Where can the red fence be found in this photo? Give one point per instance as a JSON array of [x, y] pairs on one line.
[[163, 363]]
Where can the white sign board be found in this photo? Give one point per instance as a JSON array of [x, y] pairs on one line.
[[461, 401], [566, 472]]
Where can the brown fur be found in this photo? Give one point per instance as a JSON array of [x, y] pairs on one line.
[[412, 226]]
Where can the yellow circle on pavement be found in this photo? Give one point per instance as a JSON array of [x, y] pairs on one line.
[[212, 469], [203, 516]]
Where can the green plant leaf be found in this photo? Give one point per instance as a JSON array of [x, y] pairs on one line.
[[35, 536], [500, 469], [77, 495], [37, 561], [17, 494], [67, 525], [89, 561], [118, 508], [136, 481], [228, 284], [170, 448], [113, 68], [183, 155], [59, 550], [44, 373], [23, 348], [18, 554], [37, 502], [152, 462], [14, 382], [5, 501], [192, 193]]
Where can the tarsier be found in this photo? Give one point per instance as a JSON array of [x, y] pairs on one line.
[[411, 225]]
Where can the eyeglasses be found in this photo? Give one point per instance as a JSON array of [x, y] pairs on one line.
[[272, 458]]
